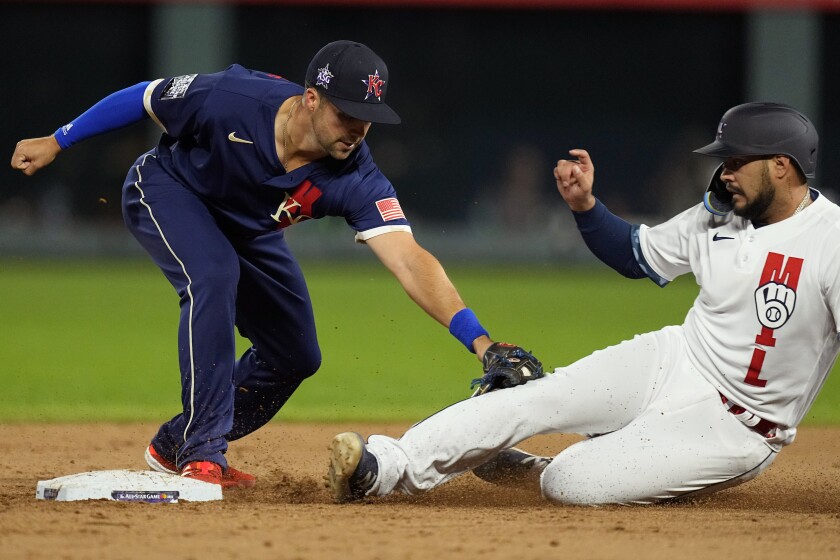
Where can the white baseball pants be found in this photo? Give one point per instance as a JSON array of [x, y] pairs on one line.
[[665, 431]]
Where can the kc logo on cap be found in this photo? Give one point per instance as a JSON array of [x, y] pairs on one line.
[[374, 85], [354, 79]]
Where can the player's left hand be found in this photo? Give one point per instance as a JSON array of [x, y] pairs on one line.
[[506, 365], [575, 179]]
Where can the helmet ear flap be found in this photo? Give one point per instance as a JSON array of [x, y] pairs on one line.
[[717, 199]]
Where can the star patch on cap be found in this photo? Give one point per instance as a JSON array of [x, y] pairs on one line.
[[324, 77], [374, 85]]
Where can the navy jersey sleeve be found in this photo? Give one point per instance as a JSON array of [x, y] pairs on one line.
[[610, 239], [176, 104], [373, 207]]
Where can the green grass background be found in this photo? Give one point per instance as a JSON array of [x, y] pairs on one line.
[[96, 341]]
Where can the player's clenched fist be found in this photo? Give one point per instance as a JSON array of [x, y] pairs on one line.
[[574, 180], [33, 154]]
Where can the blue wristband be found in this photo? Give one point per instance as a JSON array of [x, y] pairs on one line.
[[465, 327]]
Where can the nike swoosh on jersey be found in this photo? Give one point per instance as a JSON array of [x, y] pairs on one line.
[[232, 137], [718, 237]]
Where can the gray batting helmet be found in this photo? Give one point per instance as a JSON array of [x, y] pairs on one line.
[[759, 129]]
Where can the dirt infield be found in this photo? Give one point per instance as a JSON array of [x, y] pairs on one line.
[[791, 511]]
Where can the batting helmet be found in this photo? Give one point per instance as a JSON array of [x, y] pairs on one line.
[[761, 129]]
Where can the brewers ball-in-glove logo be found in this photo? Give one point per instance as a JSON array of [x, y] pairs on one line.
[[775, 297], [774, 303]]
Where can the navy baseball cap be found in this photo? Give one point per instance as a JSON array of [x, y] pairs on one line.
[[354, 79]]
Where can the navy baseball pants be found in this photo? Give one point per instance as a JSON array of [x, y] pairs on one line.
[[223, 282]]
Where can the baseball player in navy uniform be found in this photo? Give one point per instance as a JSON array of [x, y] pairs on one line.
[[243, 156], [688, 409]]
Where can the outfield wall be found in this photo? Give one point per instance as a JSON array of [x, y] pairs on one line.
[[490, 98]]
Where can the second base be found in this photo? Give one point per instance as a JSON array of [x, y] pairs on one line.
[[127, 486]]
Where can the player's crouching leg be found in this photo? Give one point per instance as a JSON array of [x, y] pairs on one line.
[[581, 476], [559, 486]]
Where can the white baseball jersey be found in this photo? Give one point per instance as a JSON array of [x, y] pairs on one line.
[[764, 328]]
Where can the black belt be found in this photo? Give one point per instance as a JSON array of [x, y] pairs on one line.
[[764, 427]]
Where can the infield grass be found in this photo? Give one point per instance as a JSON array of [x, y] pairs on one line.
[[96, 341]]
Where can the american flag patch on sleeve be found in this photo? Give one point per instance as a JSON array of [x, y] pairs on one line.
[[389, 209]]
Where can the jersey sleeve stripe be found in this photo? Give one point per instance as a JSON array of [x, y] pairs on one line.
[[147, 103], [363, 236], [640, 258]]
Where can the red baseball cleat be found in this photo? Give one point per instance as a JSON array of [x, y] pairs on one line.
[[231, 477], [158, 463], [206, 471], [239, 478]]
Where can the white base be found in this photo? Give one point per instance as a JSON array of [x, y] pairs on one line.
[[127, 486]]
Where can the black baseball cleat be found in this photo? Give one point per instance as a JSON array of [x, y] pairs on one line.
[[513, 467], [353, 469]]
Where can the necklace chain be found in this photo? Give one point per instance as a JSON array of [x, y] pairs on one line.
[[804, 202], [285, 159]]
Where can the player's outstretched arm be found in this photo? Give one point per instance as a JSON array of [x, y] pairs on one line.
[[575, 179], [35, 153], [119, 109], [424, 280]]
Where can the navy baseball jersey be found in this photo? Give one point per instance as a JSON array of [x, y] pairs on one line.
[[219, 141]]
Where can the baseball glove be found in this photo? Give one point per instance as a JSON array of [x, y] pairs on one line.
[[506, 365]]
